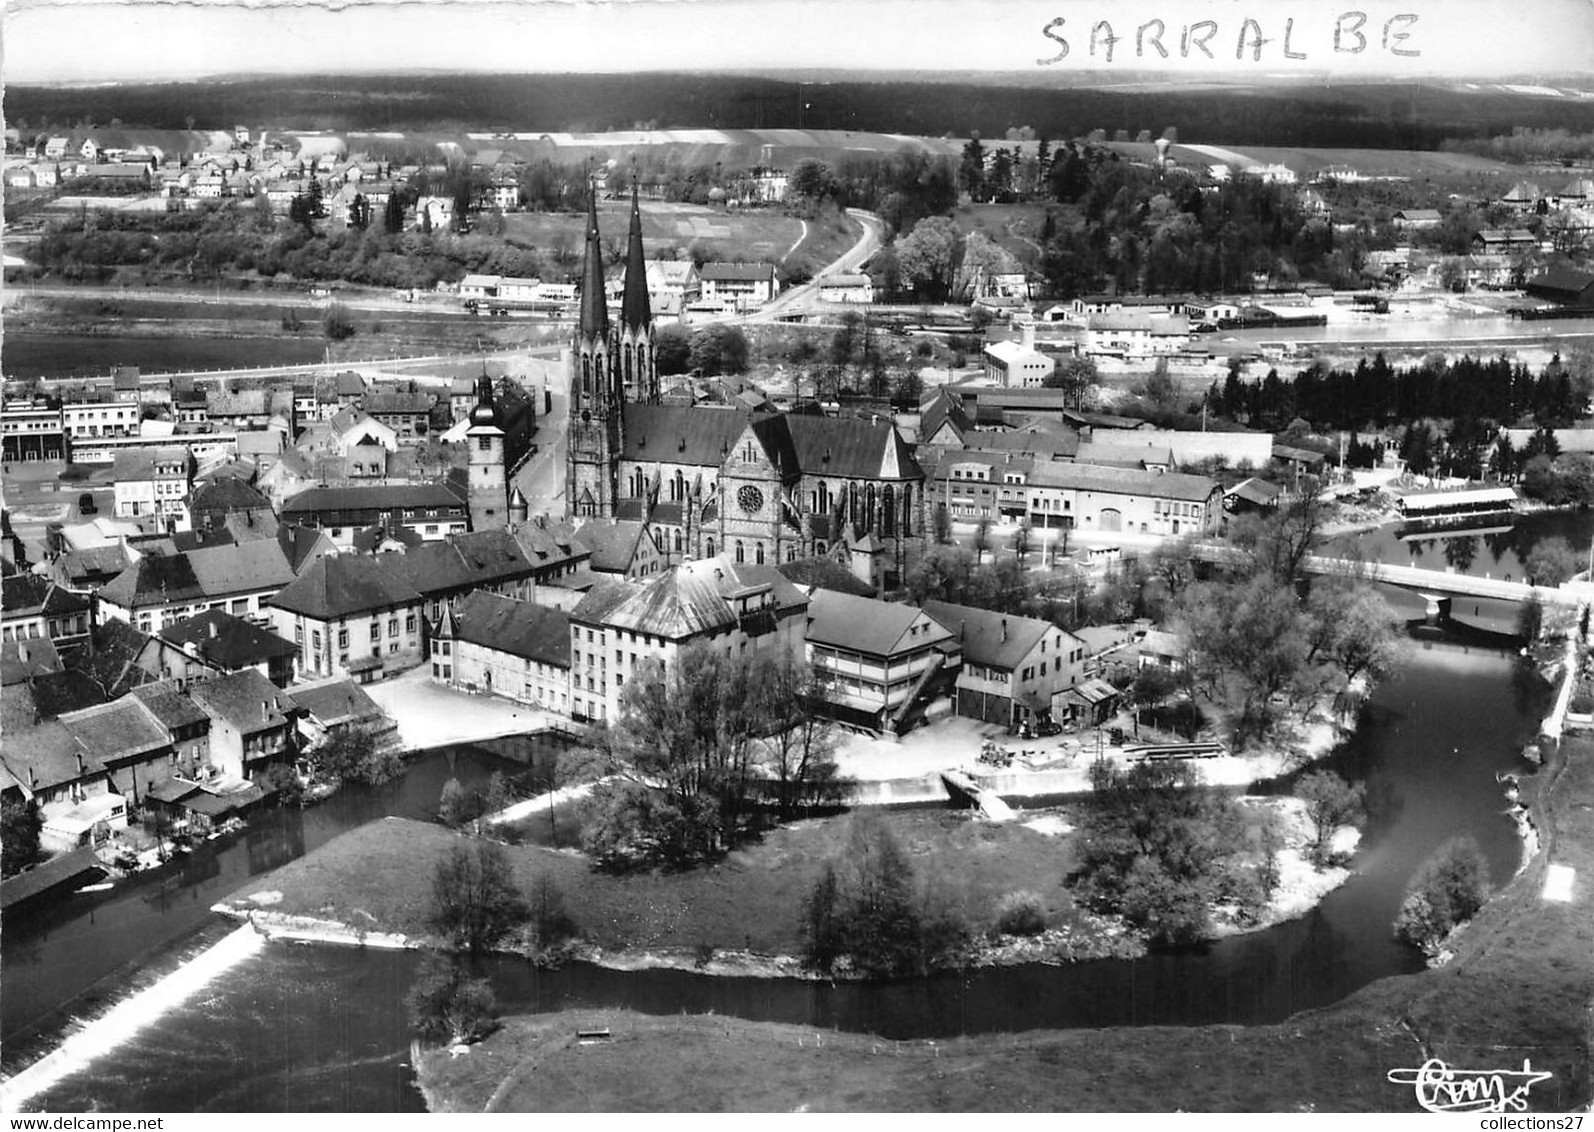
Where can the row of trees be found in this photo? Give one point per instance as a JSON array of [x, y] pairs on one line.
[[1378, 395], [701, 752]]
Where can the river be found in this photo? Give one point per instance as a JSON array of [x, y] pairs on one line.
[[296, 1028], [27, 355]]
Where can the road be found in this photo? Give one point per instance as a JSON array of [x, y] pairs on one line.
[[804, 298]]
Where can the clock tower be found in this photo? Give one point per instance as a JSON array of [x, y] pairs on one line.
[[489, 481], [592, 461]]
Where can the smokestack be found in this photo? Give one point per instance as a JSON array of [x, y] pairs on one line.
[[1004, 628], [22, 652], [265, 710], [213, 630]]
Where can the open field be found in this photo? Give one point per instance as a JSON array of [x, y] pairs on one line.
[[1415, 164], [751, 900], [1518, 990], [681, 231], [1015, 227]]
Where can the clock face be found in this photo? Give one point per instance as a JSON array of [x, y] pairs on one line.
[[750, 499]]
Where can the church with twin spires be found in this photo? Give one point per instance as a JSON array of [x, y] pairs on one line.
[[758, 487]]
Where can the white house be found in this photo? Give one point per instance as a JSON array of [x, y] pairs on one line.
[[155, 483], [1017, 365], [846, 289], [1136, 335], [746, 285]]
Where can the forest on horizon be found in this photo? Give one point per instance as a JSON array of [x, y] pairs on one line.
[[1365, 115]]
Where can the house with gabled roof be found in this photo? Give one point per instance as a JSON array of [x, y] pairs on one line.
[[251, 722], [620, 625], [335, 707], [45, 763], [157, 590], [875, 659], [185, 723], [746, 286], [126, 740], [499, 645], [154, 484], [37, 608], [350, 615], [431, 510], [944, 422], [407, 412], [1011, 666], [1100, 499], [622, 547], [232, 644]]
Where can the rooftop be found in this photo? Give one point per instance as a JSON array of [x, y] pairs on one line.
[[228, 641], [519, 628]]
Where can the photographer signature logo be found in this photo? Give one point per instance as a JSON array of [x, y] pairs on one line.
[[1440, 1088]]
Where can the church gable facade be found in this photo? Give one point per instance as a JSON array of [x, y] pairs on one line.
[[761, 488]]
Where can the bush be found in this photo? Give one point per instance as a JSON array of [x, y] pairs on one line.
[[1330, 803], [1447, 890], [868, 909], [338, 323], [354, 754], [285, 781], [447, 1004], [474, 900], [551, 922], [1020, 913]]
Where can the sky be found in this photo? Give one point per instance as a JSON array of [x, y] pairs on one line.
[[90, 41]]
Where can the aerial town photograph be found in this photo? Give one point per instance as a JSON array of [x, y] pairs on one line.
[[640, 557]]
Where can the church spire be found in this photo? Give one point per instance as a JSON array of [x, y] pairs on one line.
[[634, 309], [594, 305]]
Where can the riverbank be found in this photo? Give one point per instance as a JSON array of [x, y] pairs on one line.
[[1518, 990], [742, 915]]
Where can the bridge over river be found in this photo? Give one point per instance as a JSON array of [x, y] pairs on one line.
[[1438, 586]]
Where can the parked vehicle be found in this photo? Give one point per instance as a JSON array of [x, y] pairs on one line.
[[86, 504]]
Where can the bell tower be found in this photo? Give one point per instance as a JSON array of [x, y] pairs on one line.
[[592, 463], [489, 479], [634, 349]]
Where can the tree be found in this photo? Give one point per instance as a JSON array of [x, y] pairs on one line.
[[354, 754], [474, 900], [447, 1004], [453, 805], [927, 257], [1551, 562], [1246, 642], [799, 743], [672, 350], [20, 824], [718, 349], [1021, 539], [1330, 803], [982, 536], [812, 180], [393, 214], [1157, 848], [338, 323], [1279, 543], [679, 762], [1355, 629], [1159, 388], [1448, 889], [971, 169], [1074, 376], [869, 908]]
